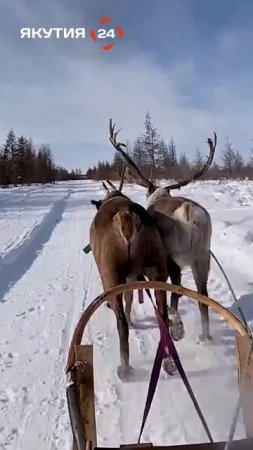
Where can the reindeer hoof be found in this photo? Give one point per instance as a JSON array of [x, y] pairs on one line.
[[176, 326], [124, 372], [205, 339], [169, 365]]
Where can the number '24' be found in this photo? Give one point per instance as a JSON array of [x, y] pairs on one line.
[[103, 33]]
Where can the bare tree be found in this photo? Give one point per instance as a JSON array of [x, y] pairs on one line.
[[228, 157], [137, 154], [184, 165], [151, 142], [197, 160], [172, 153], [238, 163]]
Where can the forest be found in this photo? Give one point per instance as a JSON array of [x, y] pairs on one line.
[[155, 156], [22, 163]]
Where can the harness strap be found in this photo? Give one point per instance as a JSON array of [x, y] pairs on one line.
[[170, 348], [140, 296], [166, 345], [152, 384], [140, 291]]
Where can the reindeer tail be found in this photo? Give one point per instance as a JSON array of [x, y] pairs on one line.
[[125, 222]]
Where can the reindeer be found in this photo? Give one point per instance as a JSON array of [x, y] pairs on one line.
[[175, 322], [125, 244], [184, 225]]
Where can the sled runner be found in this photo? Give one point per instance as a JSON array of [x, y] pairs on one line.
[[80, 376]]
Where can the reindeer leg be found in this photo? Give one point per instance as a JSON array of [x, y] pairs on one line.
[[200, 270], [176, 324], [109, 280], [124, 370], [128, 296], [175, 276], [128, 307], [161, 302]]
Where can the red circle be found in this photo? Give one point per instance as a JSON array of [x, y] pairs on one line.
[[93, 35]]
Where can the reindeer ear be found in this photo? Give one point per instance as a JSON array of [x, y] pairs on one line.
[[97, 203]]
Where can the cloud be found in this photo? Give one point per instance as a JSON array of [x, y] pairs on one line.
[[64, 92]]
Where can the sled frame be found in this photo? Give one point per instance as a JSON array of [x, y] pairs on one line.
[[80, 375]]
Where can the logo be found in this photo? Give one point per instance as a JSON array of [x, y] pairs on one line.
[[103, 33], [106, 34]]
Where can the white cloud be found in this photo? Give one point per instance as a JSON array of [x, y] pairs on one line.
[[65, 95]]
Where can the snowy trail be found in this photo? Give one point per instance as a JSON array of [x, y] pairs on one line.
[[40, 312], [21, 214], [46, 282]]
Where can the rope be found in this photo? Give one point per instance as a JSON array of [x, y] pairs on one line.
[[249, 355], [232, 291], [239, 402]]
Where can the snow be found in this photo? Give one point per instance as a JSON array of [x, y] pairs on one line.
[[46, 280]]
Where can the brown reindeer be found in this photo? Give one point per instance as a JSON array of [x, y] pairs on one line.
[[175, 322], [184, 225], [125, 243]]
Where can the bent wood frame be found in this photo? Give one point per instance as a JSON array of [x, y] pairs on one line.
[[80, 377]]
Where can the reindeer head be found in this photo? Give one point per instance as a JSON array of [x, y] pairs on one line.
[[140, 179], [113, 192]]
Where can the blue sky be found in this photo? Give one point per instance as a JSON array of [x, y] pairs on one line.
[[189, 62]]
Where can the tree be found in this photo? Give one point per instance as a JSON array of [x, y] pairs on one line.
[[238, 162], [197, 161], [184, 166], [45, 165], [31, 173], [172, 153], [151, 143], [228, 157], [117, 160], [8, 154], [128, 147], [20, 172], [21, 164], [162, 157], [137, 154]]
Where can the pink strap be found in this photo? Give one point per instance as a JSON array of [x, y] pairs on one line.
[[167, 346]]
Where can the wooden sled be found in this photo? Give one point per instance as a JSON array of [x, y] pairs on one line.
[[80, 377]]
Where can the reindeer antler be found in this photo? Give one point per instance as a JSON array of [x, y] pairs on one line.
[[121, 175], [111, 185], [129, 161], [105, 187], [132, 179], [142, 180], [212, 147]]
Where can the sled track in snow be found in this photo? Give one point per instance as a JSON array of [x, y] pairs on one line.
[[16, 263]]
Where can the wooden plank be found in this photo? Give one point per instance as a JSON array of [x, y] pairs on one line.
[[242, 346], [243, 444], [85, 386], [75, 417], [137, 446]]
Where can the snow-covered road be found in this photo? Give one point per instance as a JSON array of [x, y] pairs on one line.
[[46, 281]]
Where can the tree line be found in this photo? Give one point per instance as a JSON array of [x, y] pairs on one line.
[[159, 159], [21, 163]]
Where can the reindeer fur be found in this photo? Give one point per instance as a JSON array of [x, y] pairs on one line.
[[126, 243], [184, 226]]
